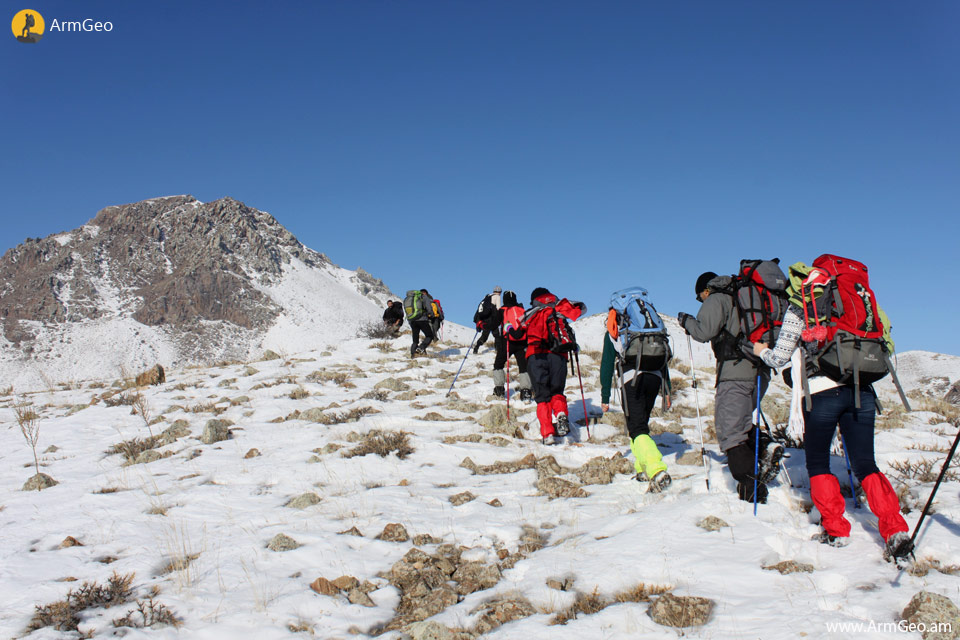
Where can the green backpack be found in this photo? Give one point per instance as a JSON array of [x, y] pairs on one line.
[[413, 304]]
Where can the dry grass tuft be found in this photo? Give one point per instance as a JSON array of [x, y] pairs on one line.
[[894, 417], [299, 394], [382, 443]]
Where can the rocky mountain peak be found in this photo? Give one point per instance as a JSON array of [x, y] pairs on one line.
[[174, 263]]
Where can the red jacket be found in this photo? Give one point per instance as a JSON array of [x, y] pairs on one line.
[[535, 322]]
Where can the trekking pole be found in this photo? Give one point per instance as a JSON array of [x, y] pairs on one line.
[[853, 489], [508, 381], [943, 472], [756, 452], [696, 397], [586, 418], [450, 390]]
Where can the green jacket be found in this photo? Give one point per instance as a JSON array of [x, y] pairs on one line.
[[606, 368]]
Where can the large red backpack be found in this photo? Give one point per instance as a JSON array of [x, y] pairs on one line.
[[550, 329], [761, 299], [845, 328], [512, 317]]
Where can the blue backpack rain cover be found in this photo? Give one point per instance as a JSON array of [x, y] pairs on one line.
[[642, 335]]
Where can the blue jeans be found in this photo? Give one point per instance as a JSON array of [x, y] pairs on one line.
[[833, 408]]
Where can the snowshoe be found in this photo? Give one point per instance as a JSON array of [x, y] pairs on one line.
[[770, 461], [563, 425], [834, 541], [899, 549], [659, 482]]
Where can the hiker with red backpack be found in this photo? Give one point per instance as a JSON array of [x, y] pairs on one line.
[[842, 342], [510, 339], [549, 341], [735, 312]]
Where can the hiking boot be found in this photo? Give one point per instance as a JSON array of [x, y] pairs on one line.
[[899, 548], [420, 351], [745, 491], [526, 395], [834, 541], [413, 351], [476, 350], [770, 457], [498, 391], [549, 440], [563, 425], [659, 482]]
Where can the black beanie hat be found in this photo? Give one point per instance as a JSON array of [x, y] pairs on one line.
[[509, 299], [702, 281], [539, 291]]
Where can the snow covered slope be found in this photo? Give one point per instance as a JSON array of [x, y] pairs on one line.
[[493, 540]]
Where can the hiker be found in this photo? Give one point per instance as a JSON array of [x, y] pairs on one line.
[[549, 340], [437, 322], [636, 345], [833, 404], [393, 316], [509, 339], [486, 316], [718, 322], [418, 307]]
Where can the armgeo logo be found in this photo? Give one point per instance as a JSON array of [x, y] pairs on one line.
[[29, 26]]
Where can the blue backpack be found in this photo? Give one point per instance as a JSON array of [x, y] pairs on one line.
[[641, 334]]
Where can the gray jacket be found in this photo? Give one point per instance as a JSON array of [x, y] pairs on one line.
[[718, 312]]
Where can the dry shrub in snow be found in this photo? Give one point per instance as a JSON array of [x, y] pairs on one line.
[[64, 615], [132, 448], [924, 470], [148, 614], [376, 330], [382, 443]]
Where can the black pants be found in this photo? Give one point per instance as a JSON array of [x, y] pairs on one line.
[[483, 337], [506, 348], [836, 407], [416, 326], [548, 375], [639, 399]]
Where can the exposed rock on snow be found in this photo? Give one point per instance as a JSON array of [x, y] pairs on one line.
[[394, 532], [282, 542], [215, 430], [933, 610], [557, 487], [39, 482], [681, 611], [712, 523], [303, 500]]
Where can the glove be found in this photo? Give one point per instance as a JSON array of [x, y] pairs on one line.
[[682, 319]]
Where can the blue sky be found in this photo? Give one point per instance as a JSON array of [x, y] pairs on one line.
[[581, 146]]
